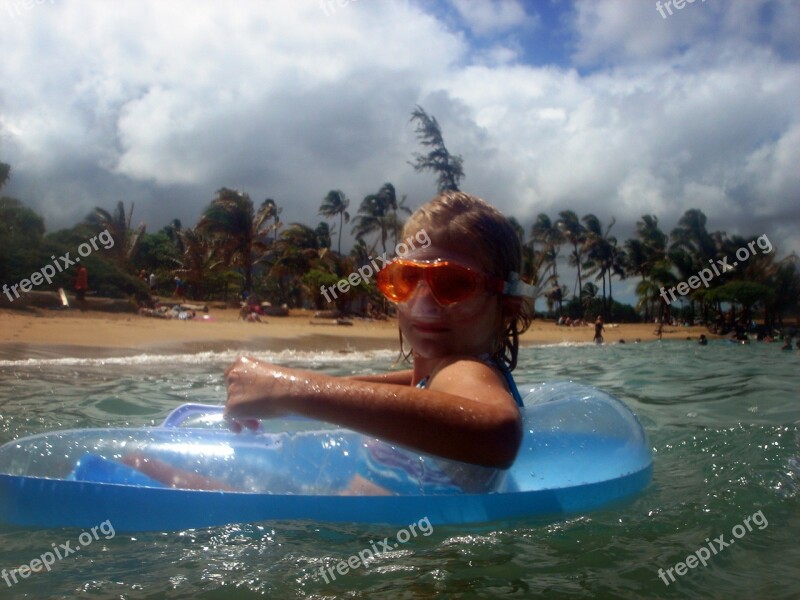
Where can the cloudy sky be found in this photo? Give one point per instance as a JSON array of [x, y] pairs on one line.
[[617, 108]]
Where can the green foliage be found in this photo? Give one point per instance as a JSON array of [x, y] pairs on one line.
[[18, 223], [106, 278], [118, 225], [240, 232], [21, 232], [156, 252], [314, 280], [746, 293], [617, 312], [378, 213], [237, 247]]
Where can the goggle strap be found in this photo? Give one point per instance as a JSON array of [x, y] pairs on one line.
[[516, 287]]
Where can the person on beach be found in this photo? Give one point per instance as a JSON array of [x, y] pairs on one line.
[[703, 341], [787, 344], [178, 293], [598, 330], [461, 308], [81, 286]]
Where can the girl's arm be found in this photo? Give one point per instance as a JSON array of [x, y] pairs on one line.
[[480, 424], [396, 377]]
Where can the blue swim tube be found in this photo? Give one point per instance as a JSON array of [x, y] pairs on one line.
[[582, 450]]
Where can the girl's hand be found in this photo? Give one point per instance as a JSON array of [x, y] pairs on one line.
[[256, 389]]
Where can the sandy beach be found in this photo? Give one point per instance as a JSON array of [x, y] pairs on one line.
[[54, 334]]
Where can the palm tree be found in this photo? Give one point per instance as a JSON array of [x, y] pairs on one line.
[[760, 279], [118, 226], [691, 250], [173, 232], [784, 278], [575, 234], [636, 257], [449, 169], [604, 256], [654, 239], [198, 259], [548, 237], [323, 233], [692, 246], [645, 251], [396, 222], [649, 290], [589, 295], [336, 203], [374, 215], [297, 251], [238, 231], [545, 233]]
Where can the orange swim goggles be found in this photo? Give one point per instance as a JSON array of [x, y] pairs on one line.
[[448, 282]]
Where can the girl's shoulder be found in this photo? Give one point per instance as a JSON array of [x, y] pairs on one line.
[[466, 366], [468, 372]]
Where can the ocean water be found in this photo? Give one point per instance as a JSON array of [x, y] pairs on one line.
[[723, 422]]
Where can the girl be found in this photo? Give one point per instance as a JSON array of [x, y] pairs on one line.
[[461, 307]]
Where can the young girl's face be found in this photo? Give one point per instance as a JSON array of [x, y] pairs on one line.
[[466, 327]]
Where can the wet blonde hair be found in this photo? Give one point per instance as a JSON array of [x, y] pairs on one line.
[[471, 226]]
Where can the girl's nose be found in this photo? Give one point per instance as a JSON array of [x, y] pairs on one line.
[[422, 303]]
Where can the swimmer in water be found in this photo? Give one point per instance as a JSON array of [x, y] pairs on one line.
[[461, 307]]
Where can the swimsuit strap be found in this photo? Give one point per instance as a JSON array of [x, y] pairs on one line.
[[512, 386]]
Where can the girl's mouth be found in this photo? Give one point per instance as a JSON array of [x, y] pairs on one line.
[[424, 327]]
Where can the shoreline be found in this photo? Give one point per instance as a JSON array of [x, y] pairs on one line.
[[45, 334]]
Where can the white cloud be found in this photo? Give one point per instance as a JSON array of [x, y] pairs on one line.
[[162, 103], [613, 32], [485, 17]]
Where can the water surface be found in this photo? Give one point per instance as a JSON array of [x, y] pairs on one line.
[[723, 422]]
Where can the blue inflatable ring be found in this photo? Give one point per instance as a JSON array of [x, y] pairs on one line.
[[582, 450]]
